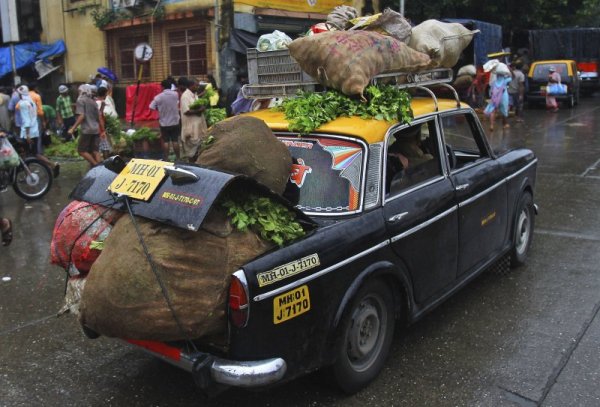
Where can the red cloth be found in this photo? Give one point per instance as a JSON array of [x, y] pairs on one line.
[[145, 96]]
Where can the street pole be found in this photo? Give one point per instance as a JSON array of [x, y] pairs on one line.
[[402, 7]]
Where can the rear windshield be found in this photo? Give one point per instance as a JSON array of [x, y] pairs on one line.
[[327, 174], [541, 72]]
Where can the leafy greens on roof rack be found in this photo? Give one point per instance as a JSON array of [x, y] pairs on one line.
[[308, 110]]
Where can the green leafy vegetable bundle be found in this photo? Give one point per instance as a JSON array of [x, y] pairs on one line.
[[272, 220], [214, 116], [144, 133], [203, 100], [309, 110], [59, 148]]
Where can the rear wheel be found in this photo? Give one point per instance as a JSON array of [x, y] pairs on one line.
[[523, 230], [367, 329], [34, 181]]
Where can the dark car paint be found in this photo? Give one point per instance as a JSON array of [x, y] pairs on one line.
[[307, 341]]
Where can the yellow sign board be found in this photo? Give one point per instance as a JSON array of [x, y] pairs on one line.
[[307, 6], [291, 304], [139, 179]]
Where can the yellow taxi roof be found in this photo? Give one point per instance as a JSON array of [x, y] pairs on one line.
[[371, 130]]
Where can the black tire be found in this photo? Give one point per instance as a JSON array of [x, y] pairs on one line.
[[365, 338], [37, 184], [523, 230]]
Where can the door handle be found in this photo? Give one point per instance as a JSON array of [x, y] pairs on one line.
[[397, 217], [462, 187]]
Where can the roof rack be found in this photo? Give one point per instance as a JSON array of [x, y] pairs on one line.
[[403, 80]]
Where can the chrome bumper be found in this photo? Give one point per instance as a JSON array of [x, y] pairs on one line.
[[208, 369]]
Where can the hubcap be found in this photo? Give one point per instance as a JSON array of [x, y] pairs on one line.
[[32, 179], [523, 231], [366, 334]]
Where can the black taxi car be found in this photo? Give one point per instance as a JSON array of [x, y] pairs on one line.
[[406, 215]]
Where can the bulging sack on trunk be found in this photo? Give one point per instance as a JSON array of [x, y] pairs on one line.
[[443, 42], [246, 145], [392, 23], [122, 297], [348, 60]]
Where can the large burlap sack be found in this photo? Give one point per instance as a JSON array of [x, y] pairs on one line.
[[443, 42], [122, 297], [347, 60], [392, 23], [246, 145]]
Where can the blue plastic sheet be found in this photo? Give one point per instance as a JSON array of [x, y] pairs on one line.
[[27, 53]]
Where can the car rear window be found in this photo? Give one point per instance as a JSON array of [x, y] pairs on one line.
[[327, 174], [541, 72]]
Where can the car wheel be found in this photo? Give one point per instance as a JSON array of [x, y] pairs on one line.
[[523, 230], [367, 329]]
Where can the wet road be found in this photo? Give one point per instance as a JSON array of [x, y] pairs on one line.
[[528, 338]]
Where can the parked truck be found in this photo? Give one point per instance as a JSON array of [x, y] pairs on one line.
[[579, 44]]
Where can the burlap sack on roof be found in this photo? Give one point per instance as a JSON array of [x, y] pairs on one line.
[[245, 145], [122, 297], [347, 60], [443, 42]]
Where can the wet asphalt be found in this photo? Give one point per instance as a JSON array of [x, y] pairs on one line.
[[527, 338]]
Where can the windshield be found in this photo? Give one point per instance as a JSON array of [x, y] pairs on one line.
[[541, 71], [327, 173]]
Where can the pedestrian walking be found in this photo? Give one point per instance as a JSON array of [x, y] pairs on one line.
[[37, 99], [516, 90], [499, 96], [12, 107], [167, 105], [553, 78], [106, 109], [27, 110], [193, 123], [88, 117], [65, 117]]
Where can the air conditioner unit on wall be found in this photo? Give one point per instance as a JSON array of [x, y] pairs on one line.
[[125, 3]]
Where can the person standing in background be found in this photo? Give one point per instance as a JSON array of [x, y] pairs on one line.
[[553, 78], [516, 90], [64, 111], [12, 107], [193, 123], [167, 105], [5, 123], [37, 99], [88, 116]]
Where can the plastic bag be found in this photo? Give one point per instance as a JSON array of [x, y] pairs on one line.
[[8, 156], [272, 42], [557, 89]]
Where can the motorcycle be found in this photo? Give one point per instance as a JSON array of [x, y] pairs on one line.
[[30, 177]]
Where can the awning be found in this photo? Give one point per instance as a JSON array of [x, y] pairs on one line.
[[29, 53]]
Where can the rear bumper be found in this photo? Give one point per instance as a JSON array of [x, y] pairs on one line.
[[209, 370], [542, 96]]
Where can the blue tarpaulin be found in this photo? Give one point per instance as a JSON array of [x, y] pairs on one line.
[[29, 52], [488, 41]]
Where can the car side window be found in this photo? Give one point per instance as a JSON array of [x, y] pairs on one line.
[[464, 144], [412, 157]]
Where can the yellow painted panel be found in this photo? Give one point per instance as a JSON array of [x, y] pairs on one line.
[[181, 5], [307, 6]]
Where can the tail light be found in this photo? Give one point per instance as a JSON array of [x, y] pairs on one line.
[[239, 307]]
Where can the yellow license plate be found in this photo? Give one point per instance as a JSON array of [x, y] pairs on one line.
[[291, 304], [139, 179]]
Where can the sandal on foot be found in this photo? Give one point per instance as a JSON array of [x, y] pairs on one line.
[[7, 235]]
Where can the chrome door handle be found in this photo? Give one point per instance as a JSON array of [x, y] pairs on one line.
[[397, 217], [462, 187]]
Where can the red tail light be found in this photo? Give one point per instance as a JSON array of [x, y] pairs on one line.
[[238, 300]]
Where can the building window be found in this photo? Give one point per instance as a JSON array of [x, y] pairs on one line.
[[129, 65], [187, 52]]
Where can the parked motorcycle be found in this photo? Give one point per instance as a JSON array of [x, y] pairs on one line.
[[29, 176]]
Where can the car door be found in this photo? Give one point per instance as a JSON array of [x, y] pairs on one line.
[[480, 191], [421, 214]]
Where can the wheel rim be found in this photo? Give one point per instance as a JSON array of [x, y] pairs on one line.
[[367, 331], [523, 231], [33, 184]]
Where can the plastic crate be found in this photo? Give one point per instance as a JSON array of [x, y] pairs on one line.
[[274, 67], [252, 91]]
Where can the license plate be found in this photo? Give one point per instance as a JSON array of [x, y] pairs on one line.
[[291, 304], [139, 179], [288, 270]]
